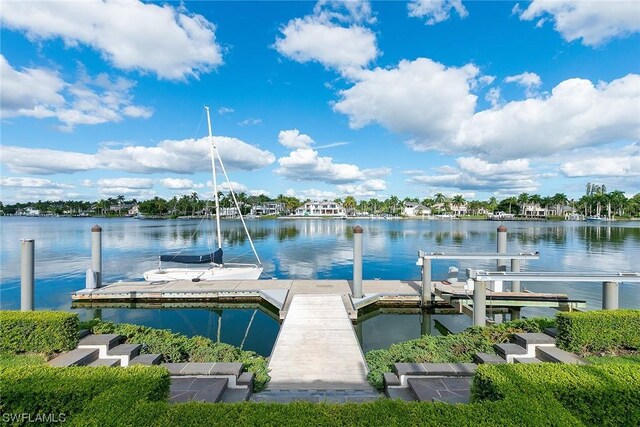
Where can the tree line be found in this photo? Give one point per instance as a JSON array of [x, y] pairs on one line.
[[595, 201]]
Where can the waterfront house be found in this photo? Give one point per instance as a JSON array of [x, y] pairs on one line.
[[270, 208], [323, 208], [415, 209]]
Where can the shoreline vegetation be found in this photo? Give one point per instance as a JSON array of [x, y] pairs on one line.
[[596, 203]]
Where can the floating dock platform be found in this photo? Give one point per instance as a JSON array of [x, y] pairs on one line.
[[277, 295]]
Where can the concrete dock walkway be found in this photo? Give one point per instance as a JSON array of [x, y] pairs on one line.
[[317, 347]]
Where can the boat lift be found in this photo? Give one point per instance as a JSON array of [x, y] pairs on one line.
[[424, 260], [610, 285]]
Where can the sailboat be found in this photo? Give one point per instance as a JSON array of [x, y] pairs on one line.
[[216, 269]]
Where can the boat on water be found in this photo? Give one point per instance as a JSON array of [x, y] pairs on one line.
[[596, 218], [501, 216], [216, 268]]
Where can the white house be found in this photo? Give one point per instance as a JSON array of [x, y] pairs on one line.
[[324, 208], [271, 208], [415, 209]]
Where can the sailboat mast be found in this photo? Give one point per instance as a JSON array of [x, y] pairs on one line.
[[215, 183]]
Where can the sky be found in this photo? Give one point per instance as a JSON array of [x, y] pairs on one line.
[[101, 98]]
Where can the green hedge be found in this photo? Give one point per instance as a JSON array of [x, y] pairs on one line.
[[598, 331], [532, 412], [599, 395], [179, 348], [38, 331], [48, 390], [451, 348]]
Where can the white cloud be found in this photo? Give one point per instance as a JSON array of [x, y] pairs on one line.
[[250, 122], [621, 162], [595, 22], [530, 81], [182, 156], [315, 194], [40, 93], [436, 10], [333, 37], [576, 114], [236, 186], [434, 106], [305, 164], [137, 183], [476, 174], [179, 184], [294, 139], [419, 97], [225, 110], [31, 194], [259, 192], [132, 35], [28, 182], [494, 97], [368, 188], [46, 162]]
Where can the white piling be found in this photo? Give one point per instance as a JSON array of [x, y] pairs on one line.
[[357, 261], [27, 274], [426, 281], [479, 304], [502, 247], [96, 254], [609, 295], [515, 268]]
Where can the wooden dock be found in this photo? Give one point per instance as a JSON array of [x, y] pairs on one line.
[[317, 347], [278, 295]]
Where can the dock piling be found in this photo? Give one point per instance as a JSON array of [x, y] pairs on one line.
[[27, 274], [609, 295], [426, 282], [96, 254], [515, 268], [502, 247], [479, 303], [357, 261]]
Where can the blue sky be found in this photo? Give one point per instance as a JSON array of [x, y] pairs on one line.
[[319, 99]]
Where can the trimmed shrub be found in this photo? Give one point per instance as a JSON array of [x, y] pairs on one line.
[[48, 390], [451, 348], [598, 331], [179, 348], [598, 395], [38, 331], [532, 412]]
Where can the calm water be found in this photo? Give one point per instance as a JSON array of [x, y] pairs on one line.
[[305, 249]]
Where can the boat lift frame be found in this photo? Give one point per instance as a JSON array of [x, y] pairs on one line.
[[424, 260], [610, 285]]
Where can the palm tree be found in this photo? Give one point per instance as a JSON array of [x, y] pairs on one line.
[[523, 199], [560, 200], [350, 204]]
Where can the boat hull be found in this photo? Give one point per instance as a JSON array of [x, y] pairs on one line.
[[203, 274]]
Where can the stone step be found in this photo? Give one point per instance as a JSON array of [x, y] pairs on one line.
[[105, 362], [233, 395], [77, 357], [488, 358], [509, 350], [129, 350], [435, 369], [390, 379], [553, 332], [557, 355], [246, 379], [95, 340], [83, 333], [527, 360], [527, 339], [194, 389], [146, 359], [455, 390]]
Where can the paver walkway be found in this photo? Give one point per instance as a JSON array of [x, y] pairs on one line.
[[317, 348]]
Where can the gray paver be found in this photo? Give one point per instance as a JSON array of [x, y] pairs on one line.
[[77, 357]]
